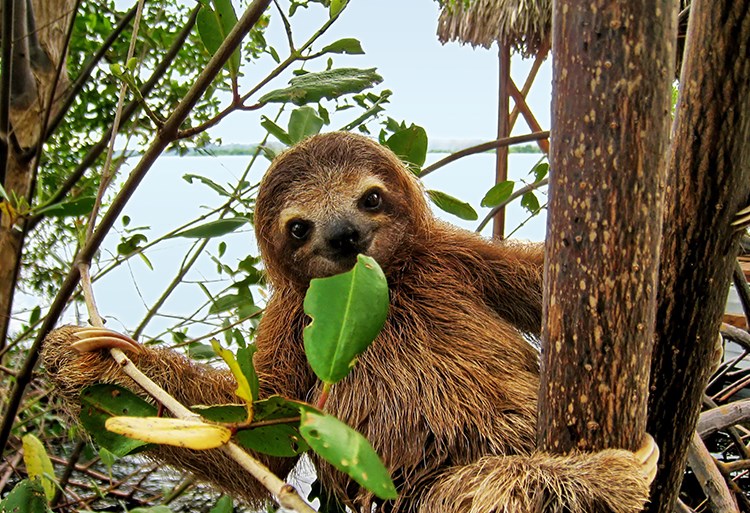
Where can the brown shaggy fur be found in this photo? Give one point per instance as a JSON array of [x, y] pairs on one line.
[[446, 394]]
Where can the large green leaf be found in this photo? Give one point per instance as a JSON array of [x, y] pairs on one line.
[[347, 310], [26, 497], [330, 84], [304, 122], [410, 145], [214, 228], [453, 205], [214, 23], [348, 451], [102, 401]]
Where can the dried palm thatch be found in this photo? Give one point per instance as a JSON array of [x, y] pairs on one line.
[[524, 25]]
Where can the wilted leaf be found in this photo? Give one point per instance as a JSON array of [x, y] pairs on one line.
[[330, 84], [347, 310], [191, 434], [348, 451], [38, 464], [498, 193], [214, 228], [409, 145], [453, 205], [243, 385], [100, 402]]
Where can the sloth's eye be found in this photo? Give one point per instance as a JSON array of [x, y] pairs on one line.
[[299, 229], [372, 200]]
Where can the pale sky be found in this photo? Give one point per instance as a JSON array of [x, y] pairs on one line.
[[449, 89]]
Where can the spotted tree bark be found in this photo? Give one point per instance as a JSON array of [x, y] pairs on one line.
[[612, 67], [708, 182]]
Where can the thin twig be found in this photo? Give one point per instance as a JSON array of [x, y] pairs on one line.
[[480, 148]]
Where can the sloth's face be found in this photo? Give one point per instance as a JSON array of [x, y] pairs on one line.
[[332, 217]]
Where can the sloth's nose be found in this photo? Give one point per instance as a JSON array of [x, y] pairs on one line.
[[344, 239]]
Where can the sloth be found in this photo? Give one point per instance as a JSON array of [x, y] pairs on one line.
[[446, 393]]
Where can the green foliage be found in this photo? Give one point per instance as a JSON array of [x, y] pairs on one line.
[[100, 402], [216, 19], [409, 144], [329, 84], [347, 310], [38, 464], [214, 228], [498, 193], [453, 205], [26, 497], [348, 451]]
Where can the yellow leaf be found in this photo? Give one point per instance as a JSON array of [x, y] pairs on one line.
[[243, 386], [38, 464], [191, 434]]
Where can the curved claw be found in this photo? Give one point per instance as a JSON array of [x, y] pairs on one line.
[[648, 457], [93, 339], [742, 219]]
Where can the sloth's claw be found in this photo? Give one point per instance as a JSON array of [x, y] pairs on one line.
[[648, 457], [93, 339]]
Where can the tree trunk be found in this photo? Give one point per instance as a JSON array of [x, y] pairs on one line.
[[709, 181], [52, 18], [612, 68]]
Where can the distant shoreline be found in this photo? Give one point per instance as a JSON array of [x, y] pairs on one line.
[[249, 149]]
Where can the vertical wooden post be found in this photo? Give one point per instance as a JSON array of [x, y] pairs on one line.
[[612, 70], [503, 131]]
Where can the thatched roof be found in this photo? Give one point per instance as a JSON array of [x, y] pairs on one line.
[[525, 25]]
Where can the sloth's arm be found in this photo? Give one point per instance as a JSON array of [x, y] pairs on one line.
[[71, 371], [609, 481]]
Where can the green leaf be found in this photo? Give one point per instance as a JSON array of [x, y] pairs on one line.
[[498, 193], [330, 84], [200, 351], [4, 194], [347, 45], [348, 451], [410, 145], [348, 311], [275, 440], [206, 181], [245, 360], [229, 302], [276, 131], [225, 504], [71, 208], [278, 407], [214, 24], [304, 122], [26, 497], [453, 205], [131, 244], [38, 464], [530, 202], [222, 413], [100, 402], [36, 314], [336, 7], [214, 228], [540, 171]]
